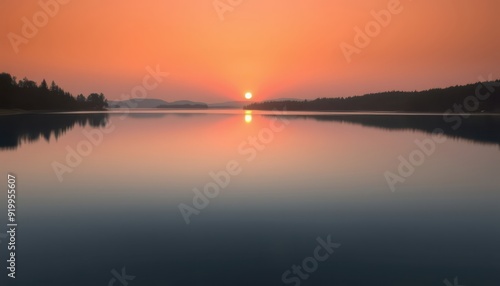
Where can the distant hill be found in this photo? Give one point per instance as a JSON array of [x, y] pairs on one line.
[[158, 103], [433, 100], [184, 104], [155, 103], [230, 104], [136, 103]]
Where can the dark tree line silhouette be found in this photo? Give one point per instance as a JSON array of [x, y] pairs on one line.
[[27, 95], [433, 100]]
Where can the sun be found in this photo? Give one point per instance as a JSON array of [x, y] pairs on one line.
[[248, 95]]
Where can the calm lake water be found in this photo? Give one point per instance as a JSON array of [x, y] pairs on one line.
[[299, 178]]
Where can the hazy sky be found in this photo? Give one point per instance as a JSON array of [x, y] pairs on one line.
[[273, 48]]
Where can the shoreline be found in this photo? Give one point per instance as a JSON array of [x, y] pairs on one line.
[[383, 112], [6, 112]]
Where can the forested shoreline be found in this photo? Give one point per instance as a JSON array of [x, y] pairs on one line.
[[471, 98], [27, 95]]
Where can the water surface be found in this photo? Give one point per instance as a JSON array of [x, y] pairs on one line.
[[316, 175]]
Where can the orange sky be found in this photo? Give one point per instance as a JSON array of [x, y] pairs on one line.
[[281, 48]]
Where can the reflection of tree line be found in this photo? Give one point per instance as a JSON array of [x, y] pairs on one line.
[[18, 129], [481, 129]]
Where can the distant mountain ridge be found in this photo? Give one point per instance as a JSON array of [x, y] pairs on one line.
[[230, 104], [159, 103], [154, 103], [136, 103]]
